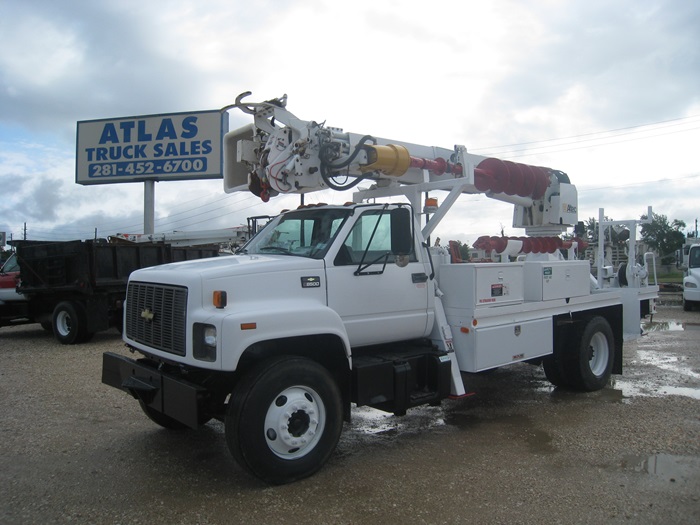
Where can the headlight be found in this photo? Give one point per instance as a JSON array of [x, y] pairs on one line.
[[691, 284], [204, 342]]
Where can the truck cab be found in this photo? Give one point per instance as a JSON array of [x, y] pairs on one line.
[[9, 279]]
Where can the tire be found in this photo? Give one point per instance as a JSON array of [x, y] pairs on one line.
[[687, 306], [588, 362], [161, 419], [284, 419], [70, 323]]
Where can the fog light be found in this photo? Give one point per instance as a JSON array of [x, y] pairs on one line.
[[204, 342]]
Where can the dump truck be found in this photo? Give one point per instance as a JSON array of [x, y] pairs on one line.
[[77, 288]]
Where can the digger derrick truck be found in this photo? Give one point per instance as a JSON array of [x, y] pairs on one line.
[[335, 305]]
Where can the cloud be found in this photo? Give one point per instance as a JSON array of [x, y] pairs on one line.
[[482, 74]]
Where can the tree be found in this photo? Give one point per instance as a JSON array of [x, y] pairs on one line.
[[663, 237], [463, 250], [613, 235]]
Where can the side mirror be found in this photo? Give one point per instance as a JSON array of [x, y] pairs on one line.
[[401, 231]]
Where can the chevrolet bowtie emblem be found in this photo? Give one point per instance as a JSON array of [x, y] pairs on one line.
[[147, 315]]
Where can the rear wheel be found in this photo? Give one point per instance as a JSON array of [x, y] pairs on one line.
[[284, 419], [588, 362], [70, 323]]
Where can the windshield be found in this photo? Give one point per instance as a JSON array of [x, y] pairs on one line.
[[694, 259], [304, 233], [10, 265]]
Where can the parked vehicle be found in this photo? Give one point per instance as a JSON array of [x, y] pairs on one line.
[[77, 288], [691, 280], [334, 305], [9, 279]]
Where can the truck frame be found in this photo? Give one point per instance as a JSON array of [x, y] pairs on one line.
[[335, 305]]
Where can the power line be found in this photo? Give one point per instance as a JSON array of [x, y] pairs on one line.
[[601, 138], [676, 122], [647, 183]]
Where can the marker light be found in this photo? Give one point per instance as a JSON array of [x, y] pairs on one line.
[[219, 299]]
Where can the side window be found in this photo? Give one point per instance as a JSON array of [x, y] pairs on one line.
[[371, 233], [372, 229]]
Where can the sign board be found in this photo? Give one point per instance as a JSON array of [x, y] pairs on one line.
[[176, 146]]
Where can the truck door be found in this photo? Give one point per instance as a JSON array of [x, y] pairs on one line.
[[378, 300]]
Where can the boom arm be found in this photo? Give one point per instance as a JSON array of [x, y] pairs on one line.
[[280, 153]]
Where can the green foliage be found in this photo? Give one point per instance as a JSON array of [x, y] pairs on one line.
[[663, 237], [611, 234], [463, 250]]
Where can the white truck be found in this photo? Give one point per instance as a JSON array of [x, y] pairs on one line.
[[335, 305], [691, 279]]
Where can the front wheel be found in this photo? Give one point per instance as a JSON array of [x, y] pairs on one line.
[[284, 419], [588, 362]]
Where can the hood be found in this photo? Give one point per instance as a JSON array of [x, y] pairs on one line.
[[185, 272]]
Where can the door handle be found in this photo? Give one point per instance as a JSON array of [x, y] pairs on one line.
[[419, 277]]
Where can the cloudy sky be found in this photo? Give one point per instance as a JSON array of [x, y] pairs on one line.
[[607, 91]]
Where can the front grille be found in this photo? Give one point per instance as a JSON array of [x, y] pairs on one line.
[[156, 316]]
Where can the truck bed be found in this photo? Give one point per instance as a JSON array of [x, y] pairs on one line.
[[89, 266]]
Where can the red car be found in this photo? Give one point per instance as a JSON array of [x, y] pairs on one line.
[[9, 278]]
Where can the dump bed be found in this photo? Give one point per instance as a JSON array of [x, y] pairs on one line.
[[92, 266]]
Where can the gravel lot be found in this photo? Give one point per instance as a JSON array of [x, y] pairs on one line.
[[518, 451]]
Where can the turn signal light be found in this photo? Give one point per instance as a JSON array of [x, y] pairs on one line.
[[219, 299]]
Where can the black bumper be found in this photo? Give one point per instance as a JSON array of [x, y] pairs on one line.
[[163, 392]]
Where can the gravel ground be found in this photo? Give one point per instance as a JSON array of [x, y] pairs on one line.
[[518, 451]]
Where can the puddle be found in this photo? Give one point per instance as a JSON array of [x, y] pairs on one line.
[[668, 326], [540, 442], [668, 362], [660, 384], [663, 326], [667, 467], [370, 421], [630, 389]]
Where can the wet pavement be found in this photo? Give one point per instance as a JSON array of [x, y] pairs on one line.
[[517, 451]]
